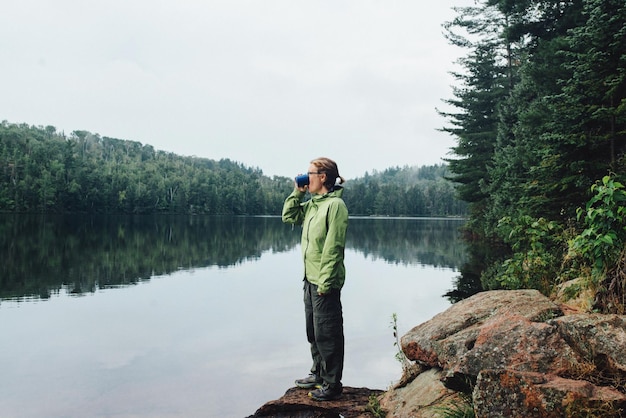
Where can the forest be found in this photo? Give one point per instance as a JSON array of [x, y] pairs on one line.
[[539, 119], [400, 191], [46, 171]]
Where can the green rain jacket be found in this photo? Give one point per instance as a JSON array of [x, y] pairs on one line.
[[324, 220]]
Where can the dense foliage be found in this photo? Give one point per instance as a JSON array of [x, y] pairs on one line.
[[540, 122], [45, 171], [419, 191], [42, 170]]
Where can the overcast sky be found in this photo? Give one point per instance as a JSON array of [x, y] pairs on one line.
[[268, 83]]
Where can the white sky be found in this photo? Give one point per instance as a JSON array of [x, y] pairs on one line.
[[268, 83]]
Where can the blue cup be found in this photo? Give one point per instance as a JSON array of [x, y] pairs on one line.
[[302, 180]]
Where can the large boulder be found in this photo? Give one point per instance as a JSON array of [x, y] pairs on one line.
[[600, 339], [510, 341], [496, 329], [518, 355]]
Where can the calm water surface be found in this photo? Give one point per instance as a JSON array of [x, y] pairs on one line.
[[196, 316]]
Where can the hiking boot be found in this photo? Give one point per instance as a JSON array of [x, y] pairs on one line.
[[311, 381], [326, 392]]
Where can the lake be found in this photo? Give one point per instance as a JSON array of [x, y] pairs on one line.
[[167, 316]]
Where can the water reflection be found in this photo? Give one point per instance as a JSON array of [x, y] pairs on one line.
[[434, 242], [43, 255]]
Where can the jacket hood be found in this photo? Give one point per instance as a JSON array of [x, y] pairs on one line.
[[337, 191]]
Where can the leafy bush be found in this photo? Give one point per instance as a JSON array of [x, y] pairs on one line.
[[601, 242], [535, 262], [600, 247]]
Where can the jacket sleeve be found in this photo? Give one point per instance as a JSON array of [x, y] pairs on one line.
[[334, 246], [293, 211]]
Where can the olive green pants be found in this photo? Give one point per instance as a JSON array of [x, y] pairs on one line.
[[324, 330]]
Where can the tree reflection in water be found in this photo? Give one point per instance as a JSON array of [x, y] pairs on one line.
[[44, 254]]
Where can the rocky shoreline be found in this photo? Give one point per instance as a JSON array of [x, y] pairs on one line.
[[502, 353], [295, 403]]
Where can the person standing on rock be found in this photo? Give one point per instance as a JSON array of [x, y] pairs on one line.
[[324, 220]]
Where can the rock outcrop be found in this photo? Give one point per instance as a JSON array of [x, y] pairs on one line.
[[501, 354], [518, 355], [295, 403]]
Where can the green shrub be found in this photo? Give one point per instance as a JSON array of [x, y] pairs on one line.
[[601, 242], [535, 262]]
